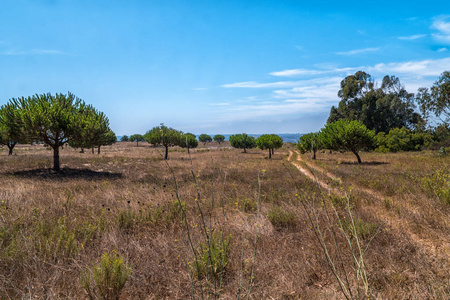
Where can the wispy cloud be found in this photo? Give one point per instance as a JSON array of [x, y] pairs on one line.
[[199, 89], [442, 24], [412, 37], [295, 72], [35, 52], [429, 67], [299, 47], [358, 51], [442, 49]]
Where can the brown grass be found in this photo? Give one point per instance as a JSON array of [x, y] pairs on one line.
[[54, 225]]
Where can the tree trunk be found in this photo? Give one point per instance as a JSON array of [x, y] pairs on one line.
[[98, 151], [273, 150], [137, 143], [188, 150], [56, 158], [82, 150], [245, 150], [314, 154], [357, 156], [270, 153], [167, 152], [11, 147], [92, 150]]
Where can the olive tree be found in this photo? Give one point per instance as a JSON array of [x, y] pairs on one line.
[[242, 141], [124, 138], [204, 138], [219, 138], [348, 135], [137, 138], [270, 142], [163, 135], [53, 119], [310, 142], [11, 127], [188, 141]]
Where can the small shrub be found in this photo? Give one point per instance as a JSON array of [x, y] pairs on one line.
[[247, 204], [364, 230], [438, 184], [126, 219], [107, 279], [212, 261], [281, 218]]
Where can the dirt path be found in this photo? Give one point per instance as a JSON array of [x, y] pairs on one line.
[[439, 249]]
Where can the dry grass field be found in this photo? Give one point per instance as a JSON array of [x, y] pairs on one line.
[[224, 224]]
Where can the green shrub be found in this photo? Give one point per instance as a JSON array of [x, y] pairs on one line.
[[212, 257], [438, 184], [281, 218], [364, 230], [402, 139], [107, 279]]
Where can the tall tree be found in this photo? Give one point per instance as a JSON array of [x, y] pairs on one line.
[[436, 101], [163, 135], [124, 138], [242, 141], [380, 109], [53, 119], [348, 135], [269, 142]]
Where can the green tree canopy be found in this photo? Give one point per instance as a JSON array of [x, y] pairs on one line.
[[436, 101], [106, 139], [137, 138], [270, 142], [204, 138], [402, 139], [124, 138], [310, 142], [54, 120], [163, 135], [188, 140], [242, 141], [219, 138], [380, 109], [348, 135], [11, 126]]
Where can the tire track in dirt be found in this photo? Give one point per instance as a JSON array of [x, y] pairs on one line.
[[441, 251]]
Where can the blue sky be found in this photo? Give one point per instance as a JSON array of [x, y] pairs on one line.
[[216, 66]]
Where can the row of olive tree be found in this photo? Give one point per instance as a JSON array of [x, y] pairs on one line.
[[54, 120], [264, 142]]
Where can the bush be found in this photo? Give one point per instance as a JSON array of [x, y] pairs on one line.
[[438, 184], [109, 277], [402, 139], [281, 218], [213, 259]]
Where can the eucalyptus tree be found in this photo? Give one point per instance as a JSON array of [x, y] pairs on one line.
[[165, 136], [242, 141], [270, 142], [53, 119], [436, 100]]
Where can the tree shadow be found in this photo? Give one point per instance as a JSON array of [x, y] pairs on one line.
[[365, 163], [66, 173]]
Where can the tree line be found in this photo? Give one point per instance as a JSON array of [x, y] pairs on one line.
[[384, 118]]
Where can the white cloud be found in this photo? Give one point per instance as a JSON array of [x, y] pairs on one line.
[[358, 51], [299, 47], [199, 89], [420, 68], [220, 104], [294, 72], [442, 24], [442, 49], [412, 37]]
